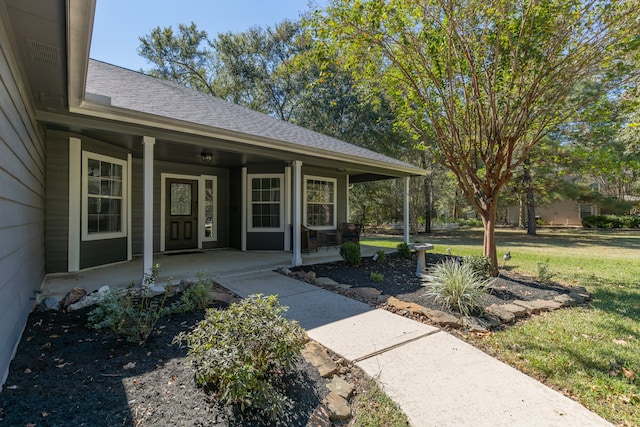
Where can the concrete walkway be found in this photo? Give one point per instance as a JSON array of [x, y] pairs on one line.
[[437, 379]]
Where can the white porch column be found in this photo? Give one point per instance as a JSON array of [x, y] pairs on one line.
[[406, 209], [287, 208], [243, 227], [147, 246], [348, 210], [297, 212]]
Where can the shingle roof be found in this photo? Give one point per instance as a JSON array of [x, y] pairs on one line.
[[139, 92]]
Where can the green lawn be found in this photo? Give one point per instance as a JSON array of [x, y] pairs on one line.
[[591, 354]]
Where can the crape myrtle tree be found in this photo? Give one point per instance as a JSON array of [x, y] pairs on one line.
[[490, 78]]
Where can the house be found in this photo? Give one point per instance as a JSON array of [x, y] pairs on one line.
[[99, 164], [559, 213]]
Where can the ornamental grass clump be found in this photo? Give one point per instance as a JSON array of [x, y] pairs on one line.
[[456, 286], [243, 353]]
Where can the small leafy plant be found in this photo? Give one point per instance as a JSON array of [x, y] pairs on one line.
[[382, 256], [244, 351], [350, 253], [194, 297], [456, 286], [377, 277], [403, 250], [480, 264], [133, 315], [544, 274]]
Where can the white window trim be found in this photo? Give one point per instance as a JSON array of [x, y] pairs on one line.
[[335, 202], [86, 236], [250, 227], [201, 213]]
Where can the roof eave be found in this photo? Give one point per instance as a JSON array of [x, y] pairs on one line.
[[112, 113]]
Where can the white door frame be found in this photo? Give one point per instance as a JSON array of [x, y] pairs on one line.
[[163, 204]]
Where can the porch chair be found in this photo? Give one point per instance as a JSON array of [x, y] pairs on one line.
[[350, 232], [309, 240]]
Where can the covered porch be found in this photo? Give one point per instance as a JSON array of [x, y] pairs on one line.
[[216, 264]]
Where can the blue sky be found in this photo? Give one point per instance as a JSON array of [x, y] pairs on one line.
[[119, 23]]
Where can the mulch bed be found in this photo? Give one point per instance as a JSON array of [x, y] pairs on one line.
[[400, 281], [65, 374]]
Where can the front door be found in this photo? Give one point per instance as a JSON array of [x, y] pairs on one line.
[[182, 214]]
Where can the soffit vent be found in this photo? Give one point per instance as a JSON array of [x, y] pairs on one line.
[[42, 52], [51, 101]]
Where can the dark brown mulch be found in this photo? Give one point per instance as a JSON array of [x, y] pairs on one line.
[[65, 374], [400, 281]]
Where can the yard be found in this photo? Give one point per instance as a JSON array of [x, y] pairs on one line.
[[591, 354]]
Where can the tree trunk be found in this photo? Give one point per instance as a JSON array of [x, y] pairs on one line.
[[489, 243], [530, 202]]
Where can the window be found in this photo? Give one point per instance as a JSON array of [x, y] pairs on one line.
[[208, 194], [104, 183], [320, 202], [265, 203]]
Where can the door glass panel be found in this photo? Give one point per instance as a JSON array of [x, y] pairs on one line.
[[180, 199], [208, 208]]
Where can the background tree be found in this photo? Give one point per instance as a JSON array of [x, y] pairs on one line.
[[489, 77]]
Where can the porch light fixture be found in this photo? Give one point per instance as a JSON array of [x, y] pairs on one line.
[[207, 157]]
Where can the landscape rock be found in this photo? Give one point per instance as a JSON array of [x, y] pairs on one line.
[[517, 310], [473, 324], [367, 293], [90, 299], [284, 270], [411, 307], [338, 406], [565, 299], [442, 318], [315, 354], [383, 298], [225, 297], [502, 313], [319, 417], [311, 276], [342, 286], [580, 294], [72, 297], [325, 281], [341, 387], [50, 303], [533, 307]]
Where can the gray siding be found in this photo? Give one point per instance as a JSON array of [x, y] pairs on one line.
[[57, 230], [22, 205], [92, 253]]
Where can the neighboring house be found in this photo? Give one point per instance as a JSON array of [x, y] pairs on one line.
[[560, 213], [99, 163]]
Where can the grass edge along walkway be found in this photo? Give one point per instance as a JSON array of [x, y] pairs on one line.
[[591, 354]]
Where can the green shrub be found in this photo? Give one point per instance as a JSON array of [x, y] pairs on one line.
[[194, 297], [611, 221], [456, 286], [133, 315], [479, 263], [403, 250], [382, 256], [544, 274], [377, 277], [350, 253], [244, 351]]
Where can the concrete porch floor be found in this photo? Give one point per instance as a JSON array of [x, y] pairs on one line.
[[179, 266]]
